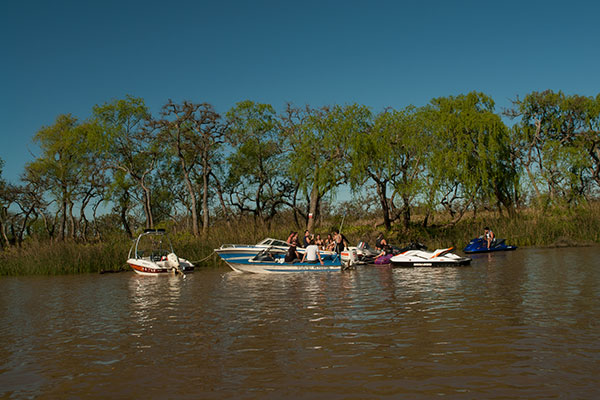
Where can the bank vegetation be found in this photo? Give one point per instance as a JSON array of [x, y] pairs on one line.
[[436, 173]]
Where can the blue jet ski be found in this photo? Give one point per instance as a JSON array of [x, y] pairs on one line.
[[479, 245]]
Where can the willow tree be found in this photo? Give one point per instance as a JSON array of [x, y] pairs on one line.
[[60, 165], [319, 147], [129, 144], [392, 154], [558, 139], [470, 156], [256, 181], [591, 138]]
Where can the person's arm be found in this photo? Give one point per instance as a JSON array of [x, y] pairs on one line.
[[303, 257], [319, 255]]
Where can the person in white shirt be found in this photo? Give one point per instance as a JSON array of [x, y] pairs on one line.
[[312, 254]]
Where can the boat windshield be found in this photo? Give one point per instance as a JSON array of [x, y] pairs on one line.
[[153, 245], [273, 242]]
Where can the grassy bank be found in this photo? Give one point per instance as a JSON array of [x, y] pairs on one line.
[[550, 228]]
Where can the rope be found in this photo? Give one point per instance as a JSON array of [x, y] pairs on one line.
[[204, 259]]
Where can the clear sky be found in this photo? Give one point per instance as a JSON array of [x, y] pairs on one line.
[[61, 57]]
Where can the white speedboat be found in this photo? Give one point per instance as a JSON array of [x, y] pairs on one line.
[[268, 262], [422, 258], [152, 255], [274, 246]]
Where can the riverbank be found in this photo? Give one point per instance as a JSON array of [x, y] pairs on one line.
[[531, 228]]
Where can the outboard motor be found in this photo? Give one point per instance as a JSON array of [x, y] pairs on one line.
[[349, 258], [172, 260]]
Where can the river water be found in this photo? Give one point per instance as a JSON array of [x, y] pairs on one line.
[[517, 324]]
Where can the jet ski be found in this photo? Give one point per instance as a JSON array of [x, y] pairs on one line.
[[422, 258], [370, 256], [479, 245]]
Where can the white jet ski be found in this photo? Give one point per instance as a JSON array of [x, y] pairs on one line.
[[422, 258]]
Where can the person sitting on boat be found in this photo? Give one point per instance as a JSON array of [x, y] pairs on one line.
[[319, 242], [306, 240], [329, 244], [380, 242], [292, 254], [488, 236], [312, 254], [386, 250]]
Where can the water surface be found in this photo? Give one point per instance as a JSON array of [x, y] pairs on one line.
[[521, 323]]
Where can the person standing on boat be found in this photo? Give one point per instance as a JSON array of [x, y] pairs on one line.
[[290, 238], [488, 236], [312, 254], [339, 242], [292, 254]]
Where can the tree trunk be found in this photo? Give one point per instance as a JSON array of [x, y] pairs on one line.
[[385, 208], [71, 221], [192, 194], [147, 207], [63, 220], [312, 209], [224, 209], [205, 212]]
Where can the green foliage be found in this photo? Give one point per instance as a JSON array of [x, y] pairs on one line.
[[450, 159], [558, 143], [471, 154], [256, 180]]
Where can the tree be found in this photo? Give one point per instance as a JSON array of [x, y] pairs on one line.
[[557, 136], [392, 153], [256, 181], [471, 153], [319, 144], [5, 202], [129, 144], [194, 133], [61, 165]]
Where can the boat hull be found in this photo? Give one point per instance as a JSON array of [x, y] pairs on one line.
[[273, 263], [437, 258], [278, 268], [150, 268], [425, 263]]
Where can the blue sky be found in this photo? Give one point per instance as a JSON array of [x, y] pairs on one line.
[[66, 56]]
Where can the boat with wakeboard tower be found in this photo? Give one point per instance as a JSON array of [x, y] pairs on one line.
[[151, 254]]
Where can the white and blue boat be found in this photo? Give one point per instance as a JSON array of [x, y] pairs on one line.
[[274, 246], [268, 261]]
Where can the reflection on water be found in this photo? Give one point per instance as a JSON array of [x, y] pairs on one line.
[[521, 324]]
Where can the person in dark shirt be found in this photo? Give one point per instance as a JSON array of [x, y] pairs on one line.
[[292, 254]]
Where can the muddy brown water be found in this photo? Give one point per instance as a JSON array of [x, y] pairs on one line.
[[517, 324]]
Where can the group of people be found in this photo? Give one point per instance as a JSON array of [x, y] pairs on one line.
[[335, 241], [313, 245]]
